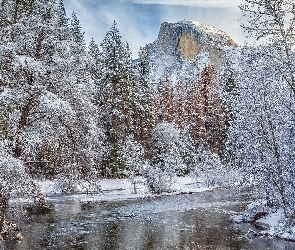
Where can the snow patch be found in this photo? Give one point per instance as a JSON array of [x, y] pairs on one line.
[[114, 189], [272, 218], [270, 222], [204, 27]]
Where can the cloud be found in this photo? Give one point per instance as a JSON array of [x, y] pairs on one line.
[[139, 21], [194, 3], [138, 24]]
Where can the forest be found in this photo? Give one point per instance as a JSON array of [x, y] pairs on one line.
[[78, 113]]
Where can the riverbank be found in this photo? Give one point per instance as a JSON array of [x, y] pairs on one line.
[[268, 222], [123, 189]]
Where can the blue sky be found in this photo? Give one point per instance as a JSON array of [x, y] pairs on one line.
[[139, 20]]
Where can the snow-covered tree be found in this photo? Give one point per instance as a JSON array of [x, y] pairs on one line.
[[262, 134], [187, 152], [172, 155], [229, 90], [263, 130], [76, 29], [156, 104], [210, 110], [94, 61], [133, 156], [272, 22], [142, 103], [45, 95], [179, 103], [113, 98], [63, 19], [165, 159], [167, 100]]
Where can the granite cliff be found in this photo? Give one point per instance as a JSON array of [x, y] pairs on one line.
[[185, 45]]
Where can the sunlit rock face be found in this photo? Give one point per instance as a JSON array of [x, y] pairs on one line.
[[179, 44], [188, 46]]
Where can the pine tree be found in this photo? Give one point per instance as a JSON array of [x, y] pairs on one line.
[[212, 115], [187, 153], [94, 66], [229, 89], [93, 49], [63, 20], [114, 91], [191, 110], [77, 33], [142, 103], [156, 105]]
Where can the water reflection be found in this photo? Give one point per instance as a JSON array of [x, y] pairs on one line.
[[198, 221]]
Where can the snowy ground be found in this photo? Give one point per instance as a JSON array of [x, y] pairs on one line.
[[113, 189], [270, 222], [277, 225]]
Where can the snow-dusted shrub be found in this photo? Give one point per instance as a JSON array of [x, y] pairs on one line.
[[133, 157], [79, 185], [13, 178], [159, 180], [210, 169], [15, 182], [172, 155], [271, 219], [74, 180]]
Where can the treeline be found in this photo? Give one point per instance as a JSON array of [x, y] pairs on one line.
[[195, 105]]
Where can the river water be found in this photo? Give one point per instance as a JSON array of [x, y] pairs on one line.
[[188, 221]]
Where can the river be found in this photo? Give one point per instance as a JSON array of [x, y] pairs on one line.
[[188, 221]]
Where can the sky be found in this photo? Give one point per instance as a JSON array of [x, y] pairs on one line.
[[139, 21]]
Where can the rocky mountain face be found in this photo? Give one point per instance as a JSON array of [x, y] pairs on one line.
[[185, 46]]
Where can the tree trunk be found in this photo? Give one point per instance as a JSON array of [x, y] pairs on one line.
[[16, 10], [4, 198], [25, 112], [280, 175]]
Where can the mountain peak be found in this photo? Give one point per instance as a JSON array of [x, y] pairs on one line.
[[205, 28], [187, 40]]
